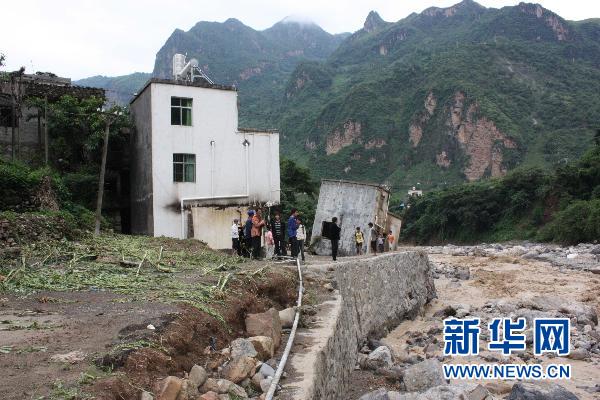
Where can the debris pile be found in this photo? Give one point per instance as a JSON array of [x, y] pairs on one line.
[[246, 372]]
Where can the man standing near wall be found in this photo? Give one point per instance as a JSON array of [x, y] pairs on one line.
[[248, 234], [292, 228], [278, 229], [373, 238], [335, 238]]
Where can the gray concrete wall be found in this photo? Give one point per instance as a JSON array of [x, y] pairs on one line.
[[376, 294], [354, 204], [30, 143], [142, 197]]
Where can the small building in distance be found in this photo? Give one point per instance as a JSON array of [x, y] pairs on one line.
[[415, 192], [21, 125], [355, 204], [193, 169]]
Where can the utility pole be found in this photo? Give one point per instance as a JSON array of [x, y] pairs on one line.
[[46, 130], [102, 173]]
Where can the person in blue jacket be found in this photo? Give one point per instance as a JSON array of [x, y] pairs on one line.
[[292, 228]]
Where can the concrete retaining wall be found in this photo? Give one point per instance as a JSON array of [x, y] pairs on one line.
[[376, 294]]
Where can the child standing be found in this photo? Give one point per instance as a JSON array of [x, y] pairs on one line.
[[380, 243], [270, 243], [359, 239]]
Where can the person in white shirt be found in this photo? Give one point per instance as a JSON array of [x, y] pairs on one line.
[[235, 239], [301, 236]]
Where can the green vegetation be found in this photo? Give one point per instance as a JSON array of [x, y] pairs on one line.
[[119, 89], [138, 267], [298, 190], [562, 206], [538, 90]]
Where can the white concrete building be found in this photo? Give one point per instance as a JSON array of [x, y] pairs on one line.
[[193, 170]]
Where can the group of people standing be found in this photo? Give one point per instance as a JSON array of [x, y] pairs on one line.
[[246, 239], [377, 240]]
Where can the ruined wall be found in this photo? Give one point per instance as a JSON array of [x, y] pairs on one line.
[[141, 167], [376, 295], [354, 204]]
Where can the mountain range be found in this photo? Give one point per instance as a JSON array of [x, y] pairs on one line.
[[440, 97]]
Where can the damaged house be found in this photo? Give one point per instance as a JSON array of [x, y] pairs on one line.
[[193, 169], [23, 133], [355, 204]]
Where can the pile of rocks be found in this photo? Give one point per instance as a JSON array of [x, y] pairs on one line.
[[424, 380], [584, 256], [26, 228], [247, 372]]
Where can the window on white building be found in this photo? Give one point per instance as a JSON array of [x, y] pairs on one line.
[[181, 111], [184, 168]]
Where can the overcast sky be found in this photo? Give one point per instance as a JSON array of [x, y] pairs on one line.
[[82, 38]]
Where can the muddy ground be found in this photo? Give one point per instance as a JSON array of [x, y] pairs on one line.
[[95, 342]]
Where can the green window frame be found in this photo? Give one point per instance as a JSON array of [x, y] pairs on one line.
[[181, 111], [184, 168]]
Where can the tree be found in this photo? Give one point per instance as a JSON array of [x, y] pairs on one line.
[[298, 190], [115, 116]]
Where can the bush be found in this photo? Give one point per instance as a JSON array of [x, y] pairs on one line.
[[578, 223], [561, 206], [20, 187]]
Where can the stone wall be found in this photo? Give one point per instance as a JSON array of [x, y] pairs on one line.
[[376, 295]]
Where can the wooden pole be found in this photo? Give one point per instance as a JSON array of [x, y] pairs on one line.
[[101, 180], [46, 130], [13, 144]]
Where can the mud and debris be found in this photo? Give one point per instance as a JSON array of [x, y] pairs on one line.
[[496, 281]]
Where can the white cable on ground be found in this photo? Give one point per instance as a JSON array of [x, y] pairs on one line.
[[290, 342]]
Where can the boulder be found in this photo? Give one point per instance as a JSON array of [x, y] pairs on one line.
[[219, 386], [170, 388], [585, 314], [287, 317], [478, 393], [266, 370], [239, 368], [242, 347], [264, 347], [265, 384], [256, 379], [209, 396], [379, 394], [237, 392], [188, 391], [424, 375], [197, 376], [146, 395], [462, 272], [381, 357], [579, 354], [540, 391], [265, 324], [444, 392], [499, 387]]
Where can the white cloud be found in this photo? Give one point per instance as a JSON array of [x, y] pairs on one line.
[[116, 37]]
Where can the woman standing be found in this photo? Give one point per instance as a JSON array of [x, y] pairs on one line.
[[256, 233], [301, 236]]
